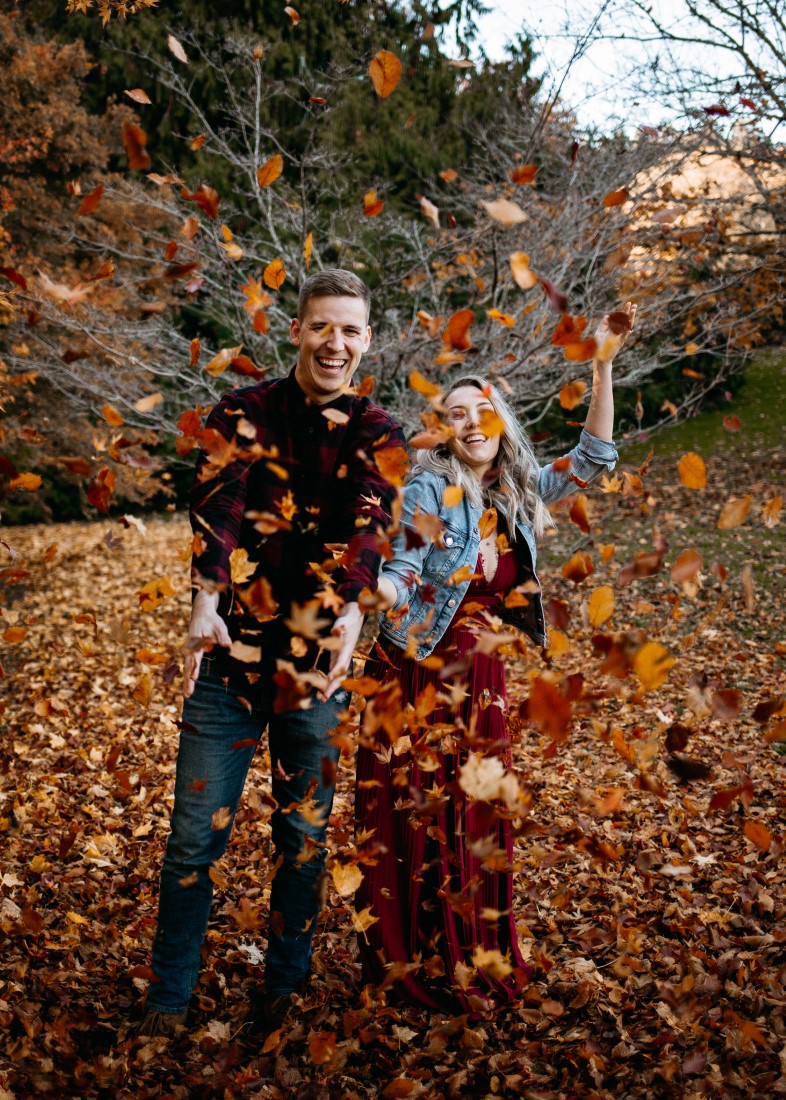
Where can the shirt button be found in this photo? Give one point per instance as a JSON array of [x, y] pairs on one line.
[[451, 603], [448, 541]]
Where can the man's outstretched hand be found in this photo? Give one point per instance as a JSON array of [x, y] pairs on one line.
[[347, 629], [205, 630]]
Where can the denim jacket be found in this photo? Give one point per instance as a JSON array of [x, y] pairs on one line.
[[421, 570]]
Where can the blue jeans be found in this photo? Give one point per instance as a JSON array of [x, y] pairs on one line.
[[222, 724]]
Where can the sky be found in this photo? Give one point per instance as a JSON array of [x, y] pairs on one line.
[[595, 87]]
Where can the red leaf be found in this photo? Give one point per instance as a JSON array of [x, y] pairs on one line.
[[91, 201], [717, 109], [205, 197], [557, 300], [14, 276]]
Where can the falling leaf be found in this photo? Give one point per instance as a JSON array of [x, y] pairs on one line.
[[270, 170], [452, 495], [91, 201], [347, 878], [692, 471], [557, 300], [505, 211], [524, 173], [429, 210], [578, 513], [176, 49], [449, 175], [100, 489], [392, 463], [154, 593], [652, 664], [601, 605], [772, 511], [578, 568], [571, 394], [274, 274], [616, 198], [138, 95], [27, 482], [522, 273], [308, 245], [718, 110], [422, 385], [135, 142], [732, 423], [385, 72], [221, 360], [734, 513], [456, 332], [686, 566], [294, 18], [503, 318], [206, 198], [147, 404], [372, 205]]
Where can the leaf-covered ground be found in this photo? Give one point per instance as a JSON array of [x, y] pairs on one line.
[[649, 876]]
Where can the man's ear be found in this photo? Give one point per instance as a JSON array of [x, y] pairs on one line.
[[367, 340], [294, 330]]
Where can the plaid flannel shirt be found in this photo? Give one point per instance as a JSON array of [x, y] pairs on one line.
[[282, 479]]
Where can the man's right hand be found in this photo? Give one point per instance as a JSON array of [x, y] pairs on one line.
[[206, 629]]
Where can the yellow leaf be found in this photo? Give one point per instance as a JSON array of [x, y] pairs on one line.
[[14, 634], [29, 482], [307, 248], [274, 274], [143, 691], [691, 349], [559, 643], [346, 878], [240, 568], [385, 72], [692, 471], [219, 363], [422, 385], [571, 394], [772, 511], [503, 318], [452, 496], [154, 593], [601, 605], [652, 664], [270, 170]]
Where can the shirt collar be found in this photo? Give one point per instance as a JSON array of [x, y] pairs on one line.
[[343, 402]]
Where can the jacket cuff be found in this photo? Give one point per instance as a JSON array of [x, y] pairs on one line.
[[601, 451]]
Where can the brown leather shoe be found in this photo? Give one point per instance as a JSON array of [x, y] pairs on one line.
[[155, 1024]]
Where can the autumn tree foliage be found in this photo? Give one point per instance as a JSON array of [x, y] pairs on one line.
[[495, 247]]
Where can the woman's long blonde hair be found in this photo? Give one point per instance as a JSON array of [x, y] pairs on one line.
[[514, 493]]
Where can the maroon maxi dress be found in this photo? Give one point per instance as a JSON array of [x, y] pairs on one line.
[[438, 874]]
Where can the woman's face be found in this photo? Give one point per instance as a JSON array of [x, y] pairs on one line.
[[464, 410]]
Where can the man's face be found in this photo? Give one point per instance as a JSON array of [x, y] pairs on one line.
[[332, 336]]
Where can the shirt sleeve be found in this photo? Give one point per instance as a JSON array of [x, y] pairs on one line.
[[590, 458], [379, 453], [218, 496]]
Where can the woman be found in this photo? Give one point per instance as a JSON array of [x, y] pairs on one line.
[[433, 802]]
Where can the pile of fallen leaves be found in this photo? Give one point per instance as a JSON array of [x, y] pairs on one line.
[[649, 876]]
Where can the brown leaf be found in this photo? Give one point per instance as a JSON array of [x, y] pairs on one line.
[[571, 394], [91, 201], [522, 273], [176, 49], [734, 513], [270, 170], [135, 142], [385, 72], [456, 332], [274, 274], [578, 568], [137, 94], [616, 198], [758, 834], [206, 198], [686, 566]]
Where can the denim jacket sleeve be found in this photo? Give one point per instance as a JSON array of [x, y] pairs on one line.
[[422, 493], [590, 458]]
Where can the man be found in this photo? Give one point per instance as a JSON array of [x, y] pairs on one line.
[[287, 509]]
